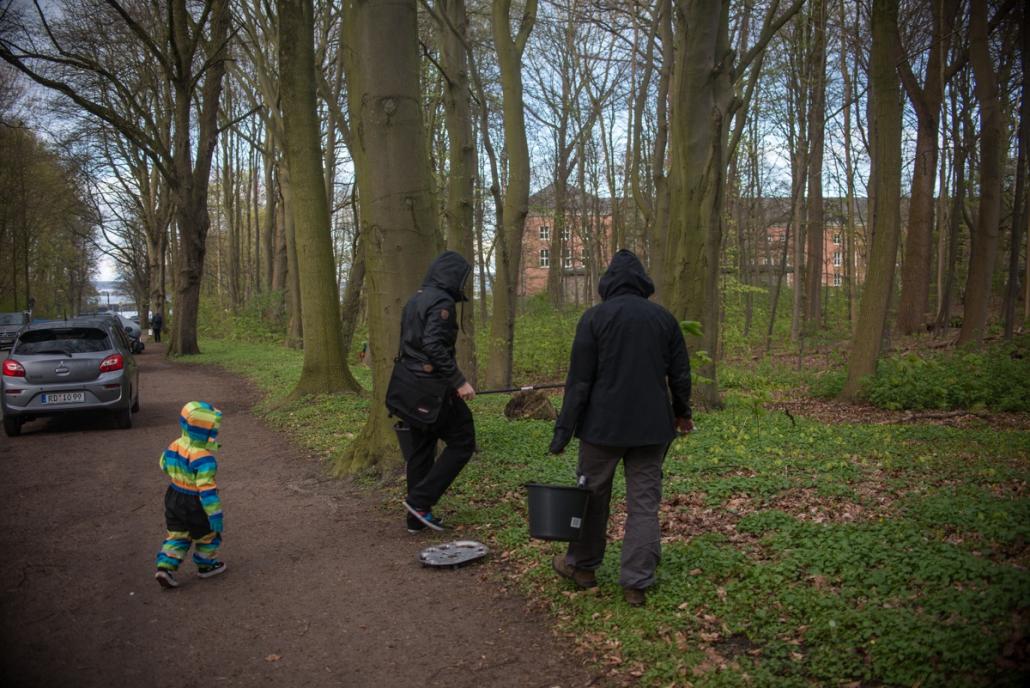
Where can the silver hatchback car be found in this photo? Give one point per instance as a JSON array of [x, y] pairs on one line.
[[69, 366]]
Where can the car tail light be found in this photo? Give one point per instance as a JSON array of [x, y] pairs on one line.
[[112, 363], [13, 369]]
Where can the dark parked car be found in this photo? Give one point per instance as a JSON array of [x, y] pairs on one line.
[[131, 329], [10, 325], [69, 366]]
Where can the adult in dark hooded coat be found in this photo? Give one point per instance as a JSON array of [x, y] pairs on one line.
[[626, 396], [429, 330]]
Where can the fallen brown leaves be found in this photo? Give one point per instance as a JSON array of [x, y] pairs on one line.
[[831, 411]]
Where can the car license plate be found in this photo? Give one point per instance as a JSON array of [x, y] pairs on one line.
[[64, 397]]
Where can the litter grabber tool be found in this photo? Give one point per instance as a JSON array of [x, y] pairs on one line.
[[452, 554], [527, 388]]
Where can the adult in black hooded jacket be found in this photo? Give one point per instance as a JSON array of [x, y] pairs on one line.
[[429, 330], [626, 395]]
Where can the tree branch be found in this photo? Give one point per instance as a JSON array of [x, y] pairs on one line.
[[769, 29], [146, 39]]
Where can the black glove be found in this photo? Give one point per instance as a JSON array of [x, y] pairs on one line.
[[560, 439]]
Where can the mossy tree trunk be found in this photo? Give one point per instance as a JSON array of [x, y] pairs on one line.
[[516, 195], [885, 187], [701, 95], [325, 369], [462, 162], [190, 180], [702, 105], [815, 230], [397, 209], [987, 231], [926, 99]]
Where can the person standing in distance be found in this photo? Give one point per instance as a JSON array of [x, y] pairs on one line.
[[626, 397], [429, 330], [157, 321]]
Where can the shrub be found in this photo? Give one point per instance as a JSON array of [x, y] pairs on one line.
[[997, 378]]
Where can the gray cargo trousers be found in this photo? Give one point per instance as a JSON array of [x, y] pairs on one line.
[[641, 544]]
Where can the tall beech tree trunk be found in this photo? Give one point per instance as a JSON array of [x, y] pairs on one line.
[[1021, 207], [987, 231], [397, 208], [350, 307], [960, 135], [462, 164], [516, 195], [702, 98], [926, 100], [291, 275], [885, 183], [815, 230], [268, 227], [325, 368], [190, 182], [701, 94], [849, 173]]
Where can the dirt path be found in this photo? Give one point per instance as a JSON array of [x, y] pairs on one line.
[[322, 589]]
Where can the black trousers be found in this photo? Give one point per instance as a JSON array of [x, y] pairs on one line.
[[184, 513], [641, 542], [430, 475]]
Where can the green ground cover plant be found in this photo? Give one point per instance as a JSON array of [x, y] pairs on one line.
[[997, 378], [796, 553]]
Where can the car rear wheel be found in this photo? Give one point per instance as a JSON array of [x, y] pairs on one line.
[[135, 404], [12, 426], [123, 419]]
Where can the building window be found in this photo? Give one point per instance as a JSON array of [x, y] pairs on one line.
[[567, 259], [545, 258], [545, 235], [836, 238], [838, 279], [584, 254], [565, 234], [837, 261]]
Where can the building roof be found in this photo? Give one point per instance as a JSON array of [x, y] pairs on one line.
[[543, 200]]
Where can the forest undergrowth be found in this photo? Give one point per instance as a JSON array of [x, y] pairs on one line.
[[884, 546]]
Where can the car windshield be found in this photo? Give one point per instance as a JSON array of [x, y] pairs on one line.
[[12, 319], [65, 340]]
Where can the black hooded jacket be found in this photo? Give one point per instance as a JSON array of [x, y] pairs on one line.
[[628, 359], [429, 324]]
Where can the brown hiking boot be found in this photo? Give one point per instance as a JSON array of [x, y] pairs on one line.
[[634, 597], [581, 577]]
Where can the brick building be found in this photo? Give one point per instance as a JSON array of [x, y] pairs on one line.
[[587, 233], [584, 244]]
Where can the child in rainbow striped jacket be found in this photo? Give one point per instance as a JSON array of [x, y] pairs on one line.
[[193, 511]]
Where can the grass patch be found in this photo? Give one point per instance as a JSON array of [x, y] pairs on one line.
[[794, 555]]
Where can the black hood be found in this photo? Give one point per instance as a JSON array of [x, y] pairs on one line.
[[625, 275], [449, 272]]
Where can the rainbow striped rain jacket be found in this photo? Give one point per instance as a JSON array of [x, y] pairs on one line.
[[190, 460]]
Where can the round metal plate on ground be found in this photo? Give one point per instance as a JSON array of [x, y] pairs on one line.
[[453, 554]]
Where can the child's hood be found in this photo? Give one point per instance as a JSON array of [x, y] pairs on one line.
[[200, 422]]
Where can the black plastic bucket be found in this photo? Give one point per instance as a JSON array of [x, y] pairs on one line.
[[556, 512]]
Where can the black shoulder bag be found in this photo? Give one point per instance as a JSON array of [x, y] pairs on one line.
[[415, 399]]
